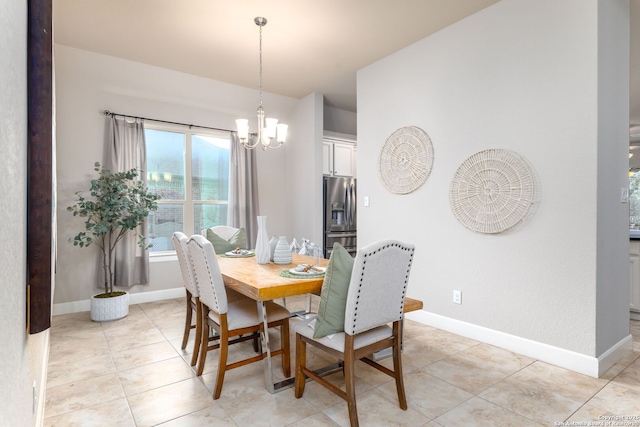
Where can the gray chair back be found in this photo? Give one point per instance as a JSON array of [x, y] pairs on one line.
[[378, 285], [223, 231], [179, 241], [206, 272]]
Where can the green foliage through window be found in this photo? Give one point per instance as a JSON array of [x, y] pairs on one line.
[[191, 171]]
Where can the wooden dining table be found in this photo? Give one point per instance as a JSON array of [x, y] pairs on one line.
[[262, 283]]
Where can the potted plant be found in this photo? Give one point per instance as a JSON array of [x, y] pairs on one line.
[[119, 203]]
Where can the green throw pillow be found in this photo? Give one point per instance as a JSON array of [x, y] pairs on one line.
[[220, 245], [239, 240], [333, 297]]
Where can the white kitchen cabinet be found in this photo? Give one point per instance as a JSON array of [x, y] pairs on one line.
[[634, 269], [354, 169], [342, 159], [327, 158], [338, 157]]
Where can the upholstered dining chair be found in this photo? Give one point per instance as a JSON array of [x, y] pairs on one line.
[[224, 231], [233, 237], [231, 320], [374, 299], [179, 241], [225, 238]]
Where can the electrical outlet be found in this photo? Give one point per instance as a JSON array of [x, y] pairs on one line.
[[457, 297], [35, 398]]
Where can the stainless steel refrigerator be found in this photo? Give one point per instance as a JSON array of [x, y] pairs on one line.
[[340, 225]]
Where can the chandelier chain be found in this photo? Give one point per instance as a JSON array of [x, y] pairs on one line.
[[260, 82], [273, 130]]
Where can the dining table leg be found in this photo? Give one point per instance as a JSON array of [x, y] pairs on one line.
[[269, 383], [268, 372]]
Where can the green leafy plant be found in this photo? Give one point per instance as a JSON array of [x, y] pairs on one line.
[[119, 203]]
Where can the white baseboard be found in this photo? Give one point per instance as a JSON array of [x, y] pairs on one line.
[[571, 360], [135, 298], [615, 353], [41, 387]]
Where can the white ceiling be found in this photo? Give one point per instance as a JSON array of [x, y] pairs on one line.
[[308, 46]]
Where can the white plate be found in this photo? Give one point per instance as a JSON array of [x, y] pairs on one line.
[[231, 253], [308, 273]]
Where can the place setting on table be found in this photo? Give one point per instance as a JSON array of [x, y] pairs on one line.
[[279, 251], [239, 253], [232, 243], [274, 268], [311, 270]]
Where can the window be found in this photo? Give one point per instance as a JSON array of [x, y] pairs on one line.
[[191, 172], [634, 201]]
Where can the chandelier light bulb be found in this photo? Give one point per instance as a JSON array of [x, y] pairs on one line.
[[282, 132], [243, 129]]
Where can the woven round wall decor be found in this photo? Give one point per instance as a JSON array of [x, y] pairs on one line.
[[406, 160], [492, 191]]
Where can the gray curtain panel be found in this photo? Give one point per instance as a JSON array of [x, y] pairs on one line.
[[243, 190], [126, 150]]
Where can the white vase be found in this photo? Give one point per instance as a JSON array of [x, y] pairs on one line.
[[282, 254], [263, 249], [106, 309], [272, 245]]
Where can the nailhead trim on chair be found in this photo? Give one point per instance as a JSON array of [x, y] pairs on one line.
[[185, 258], [406, 280], [215, 297], [355, 310]]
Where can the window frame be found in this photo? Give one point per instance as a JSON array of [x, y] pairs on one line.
[[188, 203]]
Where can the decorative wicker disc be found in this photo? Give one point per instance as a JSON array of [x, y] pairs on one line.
[[406, 160], [491, 191]]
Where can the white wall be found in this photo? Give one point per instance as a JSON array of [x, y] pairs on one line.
[[341, 121], [526, 76], [24, 357], [304, 172], [613, 136], [88, 83]]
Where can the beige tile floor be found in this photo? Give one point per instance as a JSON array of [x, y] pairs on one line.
[[132, 372]]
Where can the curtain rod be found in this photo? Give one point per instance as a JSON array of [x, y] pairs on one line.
[[110, 113]]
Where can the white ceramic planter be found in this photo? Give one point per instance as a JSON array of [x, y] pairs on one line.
[[282, 253], [106, 309]]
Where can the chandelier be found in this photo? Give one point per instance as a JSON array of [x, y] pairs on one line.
[[268, 129]]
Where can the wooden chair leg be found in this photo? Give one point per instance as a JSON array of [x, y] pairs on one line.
[[198, 338], [350, 382], [301, 362], [204, 339], [397, 366], [222, 363], [187, 321], [286, 348]]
